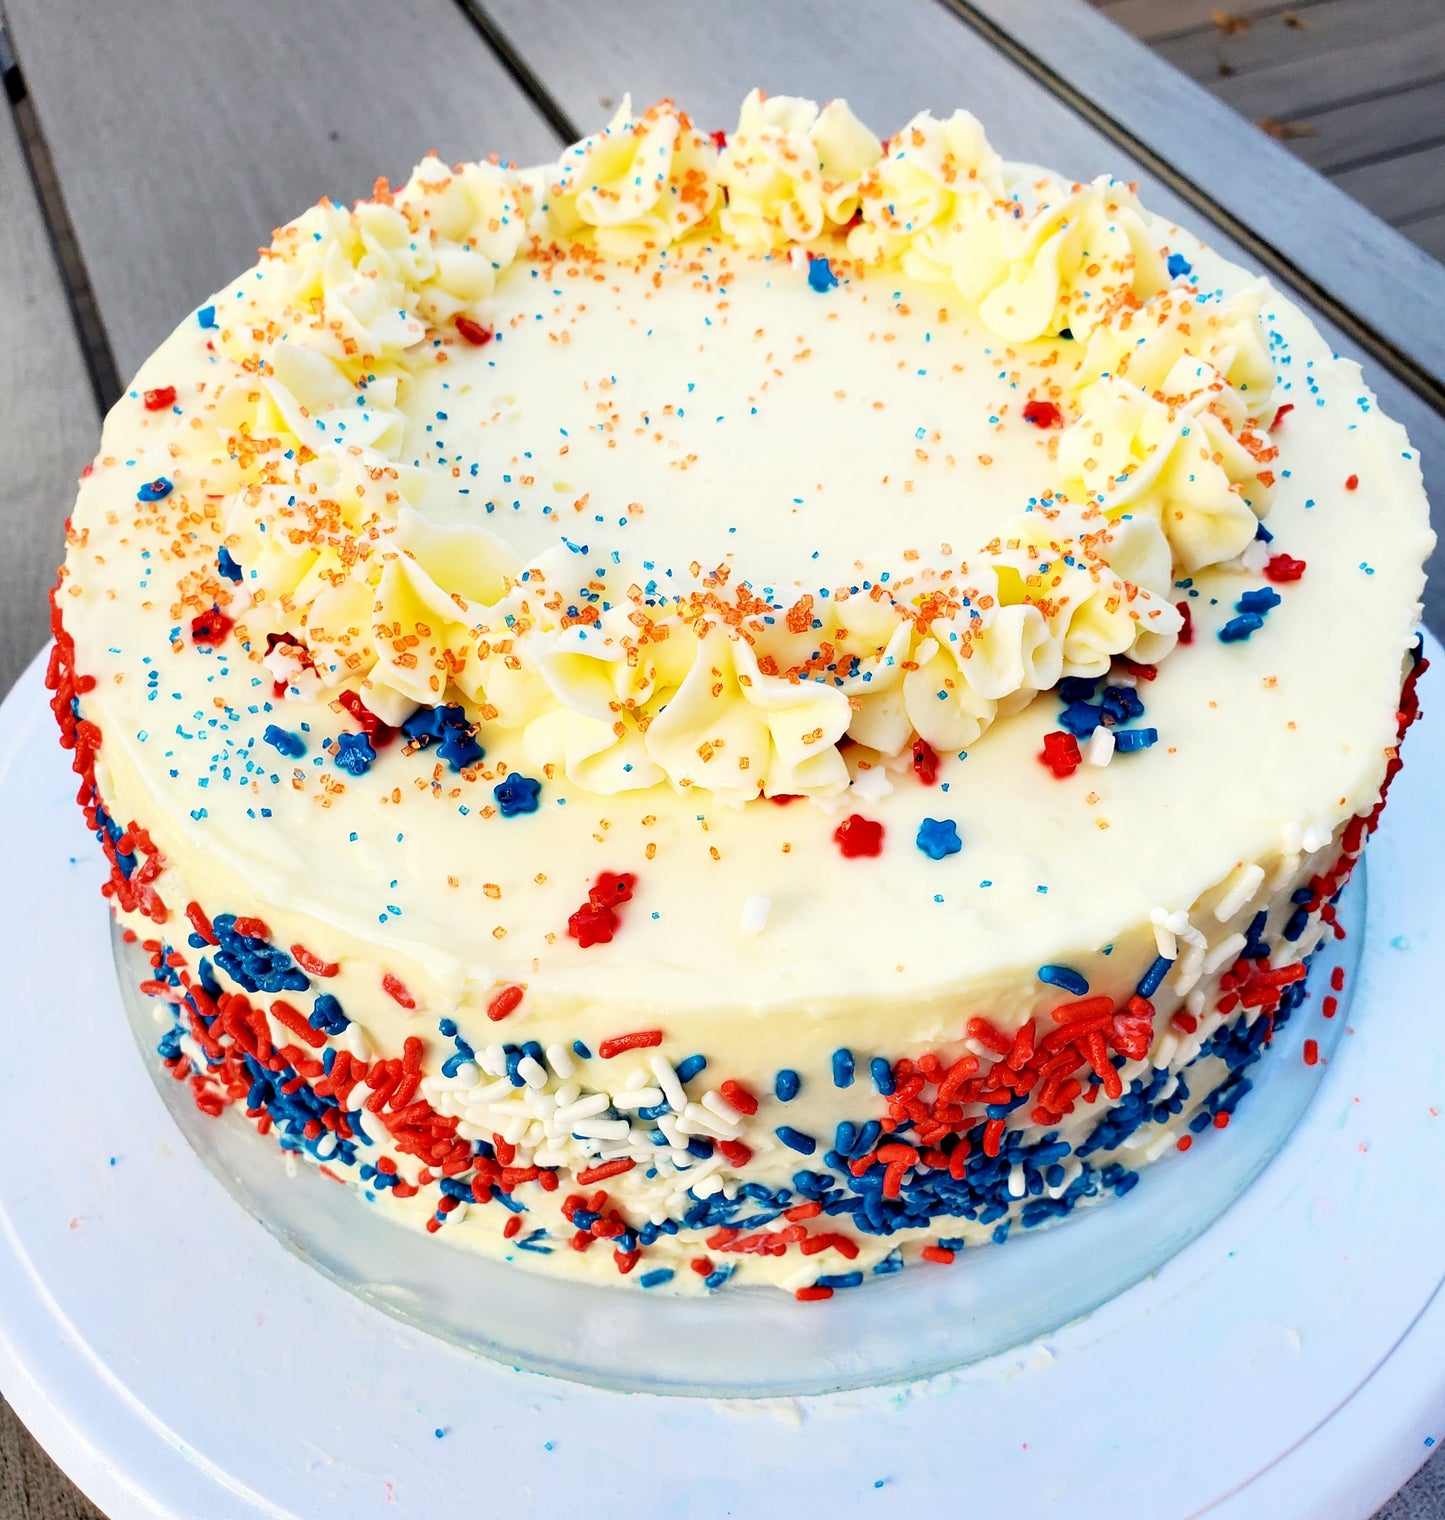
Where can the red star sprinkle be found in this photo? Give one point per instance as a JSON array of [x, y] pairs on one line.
[[1281, 568], [1061, 753], [160, 398], [857, 835], [1043, 414], [925, 762]]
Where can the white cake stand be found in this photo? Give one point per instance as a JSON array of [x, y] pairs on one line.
[[177, 1361]]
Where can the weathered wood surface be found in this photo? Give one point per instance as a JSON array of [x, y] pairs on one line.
[[47, 432], [257, 115], [1352, 86]]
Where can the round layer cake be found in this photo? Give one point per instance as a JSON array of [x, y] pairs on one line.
[[724, 709]]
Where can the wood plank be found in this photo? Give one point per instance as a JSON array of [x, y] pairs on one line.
[[1400, 189], [1429, 234], [589, 53], [1378, 127], [1330, 27], [51, 426], [1151, 20], [1288, 91], [184, 130]]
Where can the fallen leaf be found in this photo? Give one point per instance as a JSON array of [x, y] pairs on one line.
[[1296, 22], [1284, 130], [1229, 24]]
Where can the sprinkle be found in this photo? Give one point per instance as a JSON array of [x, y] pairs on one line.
[[354, 753], [690, 1066], [396, 989], [1186, 629], [1099, 750], [283, 741], [938, 837], [474, 332], [857, 835], [1128, 740], [517, 794], [591, 925], [210, 628], [941, 1254], [882, 1074], [820, 274], [796, 1140], [1281, 568], [1238, 628], [1280, 414], [604, 1170], [736, 1154], [1075, 983], [1352, 483], [1150, 982], [1061, 753], [925, 762], [656, 1277], [1043, 414], [642, 1039], [842, 1067], [1179, 267], [786, 1085], [313, 965], [737, 1096], [506, 1001], [812, 1295], [1260, 601], [206, 316], [227, 566], [754, 917], [1311, 1052], [160, 398]]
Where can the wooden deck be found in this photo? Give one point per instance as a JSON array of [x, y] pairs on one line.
[[1356, 88]]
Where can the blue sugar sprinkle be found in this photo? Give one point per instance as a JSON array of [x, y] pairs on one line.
[[1127, 740], [1238, 628], [227, 566], [820, 274], [786, 1085], [155, 490], [1065, 978], [283, 740], [206, 316], [1150, 982], [882, 1074], [581, 1051], [1258, 601], [354, 753], [689, 1067], [1179, 266], [796, 1140], [842, 1067], [938, 837], [517, 794], [656, 1277]]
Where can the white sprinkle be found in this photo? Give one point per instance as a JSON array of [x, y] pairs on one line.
[[804, 1277], [1190, 967], [1194, 1003], [1223, 953], [1291, 837], [1100, 748], [357, 1043], [724, 1125], [1017, 1185], [467, 1075], [642, 1097], [559, 1058], [583, 1108], [721, 1107], [1315, 838], [1249, 881], [872, 784], [667, 1081], [636, 1079], [1164, 938], [602, 1129], [494, 1060], [754, 915], [459, 1213]]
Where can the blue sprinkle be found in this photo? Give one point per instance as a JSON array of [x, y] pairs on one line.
[[206, 316], [226, 565], [1258, 601], [354, 753], [842, 1067], [938, 837], [1150, 982], [689, 1067], [283, 740], [656, 1277], [155, 490], [1065, 978], [581, 1051], [840, 1280], [517, 794], [1179, 266], [820, 274], [882, 1074], [786, 1085], [1240, 627], [796, 1140], [1127, 740]]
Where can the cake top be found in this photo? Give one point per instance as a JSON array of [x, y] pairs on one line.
[[607, 500]]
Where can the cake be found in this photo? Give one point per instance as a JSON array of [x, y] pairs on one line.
[[724, 710]]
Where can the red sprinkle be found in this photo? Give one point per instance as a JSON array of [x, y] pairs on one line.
[[941, 1254], [512, 1227], [1043, 414], [719, 140], [313, 965], [378, 732], [605, 1169], [1281, 568], [782, 799], [612, 889], [1312, 1052], [1061, 753], [642, 1039], [292, 1018], [591, 925], [201, 924], [1330, 1007], [1352, 483], [1221, 1120], [925, 762], [857, 835], [813, 1295], [735, 1153], [504, 1002], [1186, 632], [1337, 979], [211, 627], [735, 1094], [1281, 414], [474, 332], [1184, 1142], [160, 398], [395, 988], [253, 928]]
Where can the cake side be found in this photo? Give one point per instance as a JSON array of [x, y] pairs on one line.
[[1037, 982]]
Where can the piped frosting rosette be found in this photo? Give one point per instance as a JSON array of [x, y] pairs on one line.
[[353, 585]]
